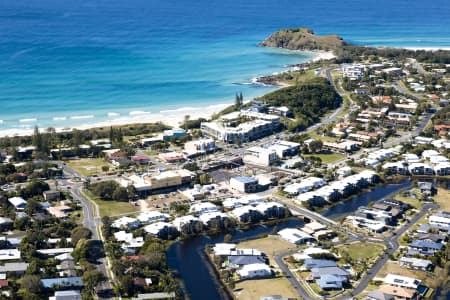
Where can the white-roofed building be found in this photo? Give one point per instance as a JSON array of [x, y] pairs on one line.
[[18, 202], [296, 236], [420, 169], [260, 156], [152, 216], [402, 281], [223, 249], [181, 222], [9, 254], [126, 222], [160, 228], [207, 218], [427, 154], [202, 207], [254, 271], [246, 214], [271, 209]]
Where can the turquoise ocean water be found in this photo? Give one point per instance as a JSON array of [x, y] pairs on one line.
[[70, 63]]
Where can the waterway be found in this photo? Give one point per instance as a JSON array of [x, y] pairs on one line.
[[379, 192], [188, 259]]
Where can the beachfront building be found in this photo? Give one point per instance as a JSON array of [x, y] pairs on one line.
[[200, 146], [241, 126], [353, 71]]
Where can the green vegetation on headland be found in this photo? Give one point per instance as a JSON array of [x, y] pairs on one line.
[[302, 39], [305, 39], [308, 101]]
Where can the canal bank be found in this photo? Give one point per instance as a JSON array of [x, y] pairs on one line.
[[188, 259]]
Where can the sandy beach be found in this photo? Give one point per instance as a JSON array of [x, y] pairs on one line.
[[173, 117]]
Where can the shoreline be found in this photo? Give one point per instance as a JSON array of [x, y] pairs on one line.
[[172, 117]]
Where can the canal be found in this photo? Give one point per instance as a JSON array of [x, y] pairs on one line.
[[188, 259]]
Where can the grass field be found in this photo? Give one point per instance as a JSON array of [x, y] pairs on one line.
[[269, 245], [254, 289], [413, 202], [88, 166], [362, 251], [114, 208], [443, 199], [327, 158], [314, 135]]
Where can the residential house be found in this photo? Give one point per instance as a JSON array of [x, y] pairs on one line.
[[152, 216], [424, 248], [257, 270], [202, 208], [52, 195], [246, 214], [18, 268], [51, 283], [18, 202], [296, 236], [126, 222], [416, 263], [160, 229], [181, 223], [66, 295]]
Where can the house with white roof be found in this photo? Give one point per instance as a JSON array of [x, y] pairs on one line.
[[304, 186], [398, 167], [440, 219], [207, 218], [420, 169], [371, 225], [411, 158], [423, 140], [246, 214], [152, 216], [183, 221], [427, 154], [18, 202], [402, 281], [271, 209], [160, 229], [223, 249], [311, 198], [257, 270], [442, 169], [285, 149], [202, 207], [126, 222], [296, 236], [9, 254], [251, 199]]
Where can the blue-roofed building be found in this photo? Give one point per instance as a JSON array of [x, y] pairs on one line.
[[174, 133], [318, 263], [244, 184], [242, 260], [424, 248], [62, 282], [337, 271], [331, 282]]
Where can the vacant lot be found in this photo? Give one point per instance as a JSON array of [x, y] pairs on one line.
[[327, 158], [269, 245], [88, 166], [113, 208], [362, 251], [443, 199], [254, 289]]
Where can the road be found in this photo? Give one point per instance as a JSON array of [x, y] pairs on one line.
[[393, 245], [91, 220]]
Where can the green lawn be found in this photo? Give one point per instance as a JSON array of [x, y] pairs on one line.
[[314, 135], [443, 199], [362, 251], [114, 208], [88, 166], [327, 158], [413, 202]]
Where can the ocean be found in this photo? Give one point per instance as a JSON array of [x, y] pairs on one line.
[[81, 63]]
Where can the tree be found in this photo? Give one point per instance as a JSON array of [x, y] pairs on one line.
[[37, 139], [105, 169], [120, 194], [79, 233], [91, 279], [32, 283], [315, 146], [205, 179]]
